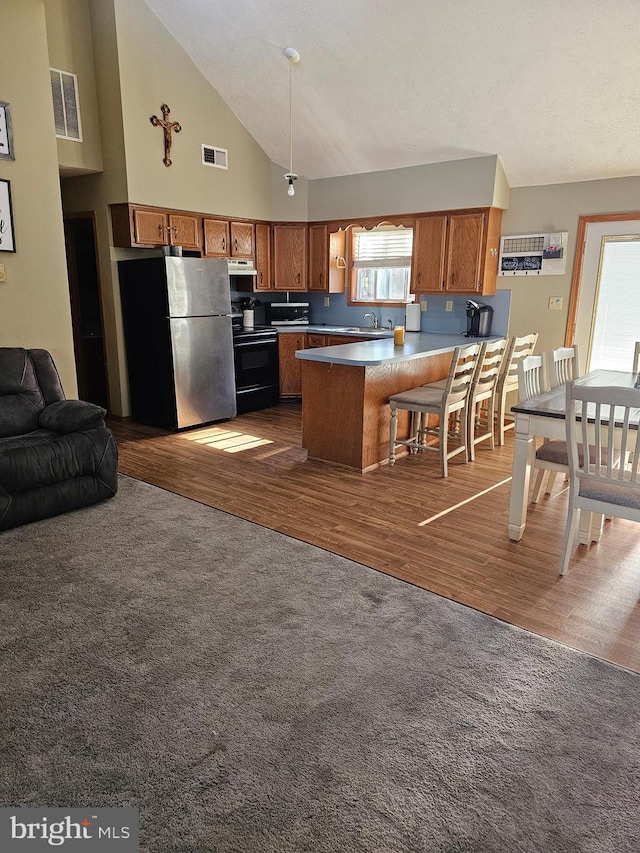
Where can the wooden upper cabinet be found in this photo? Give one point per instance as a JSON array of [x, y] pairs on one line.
[[319, 257], [290, 257], [427, 264], [464, 252], [184, 231], [216, 238], [263, 257], [472, 252], [150, 227], [242, 240], [456, 252]]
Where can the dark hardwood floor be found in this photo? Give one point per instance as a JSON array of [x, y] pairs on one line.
[[448, 536]]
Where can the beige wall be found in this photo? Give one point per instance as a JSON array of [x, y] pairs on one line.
[[160, 73], [34, 302], [70, 49], [438, 186], [557, 207]]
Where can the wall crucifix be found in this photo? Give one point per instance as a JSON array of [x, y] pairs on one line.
[[168, 127]]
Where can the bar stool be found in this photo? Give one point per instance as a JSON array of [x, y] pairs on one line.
[[443, 399], [518, 349], [483, 394], [636, 357]]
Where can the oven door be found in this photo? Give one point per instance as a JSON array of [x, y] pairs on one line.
[[256, 368]]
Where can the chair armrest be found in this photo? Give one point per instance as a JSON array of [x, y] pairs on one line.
[[71, 416]]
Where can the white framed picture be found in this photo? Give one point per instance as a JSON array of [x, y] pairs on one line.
[[6, 135], [7, 241]]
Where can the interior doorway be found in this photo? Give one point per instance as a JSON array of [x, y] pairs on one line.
[[601, 291], [86, 308]]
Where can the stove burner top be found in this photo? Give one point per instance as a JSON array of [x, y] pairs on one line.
[[255, 332]]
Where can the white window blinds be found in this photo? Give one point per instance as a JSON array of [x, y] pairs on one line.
[[616, 325], [383, 247]]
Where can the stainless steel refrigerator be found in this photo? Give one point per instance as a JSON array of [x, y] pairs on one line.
[[177, 324]]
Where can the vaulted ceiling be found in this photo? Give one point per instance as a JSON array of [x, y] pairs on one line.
[[551, 88]]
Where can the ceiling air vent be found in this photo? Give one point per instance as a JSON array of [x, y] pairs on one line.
[[64, 89], [218, 157]]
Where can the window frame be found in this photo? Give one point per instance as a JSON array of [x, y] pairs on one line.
[[353, 272]]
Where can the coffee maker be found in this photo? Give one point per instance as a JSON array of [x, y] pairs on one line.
[[479, 319]]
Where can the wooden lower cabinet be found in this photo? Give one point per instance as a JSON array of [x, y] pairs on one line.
[[290, 366]]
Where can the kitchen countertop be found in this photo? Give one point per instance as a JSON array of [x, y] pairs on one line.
[[382, 350]]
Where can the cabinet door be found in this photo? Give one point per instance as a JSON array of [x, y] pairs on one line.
[[464, 253], [184, 231], [290, 366], [290, 257], [241, 240], [263, 257], [319, 257], [150, 227], [216, 238], [427, 264]]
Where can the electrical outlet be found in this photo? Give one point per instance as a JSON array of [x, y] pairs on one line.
[[326, 302], [423, 305], [449, 305], [3, 273], [555, 303]]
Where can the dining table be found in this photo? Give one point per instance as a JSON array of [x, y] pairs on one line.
[[544, 417]]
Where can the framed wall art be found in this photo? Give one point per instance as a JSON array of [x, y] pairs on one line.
[[7, 241], [6, 135]]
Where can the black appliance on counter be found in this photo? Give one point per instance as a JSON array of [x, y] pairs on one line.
[[287, 313], [177, 327], [255, 356], [479, 318]]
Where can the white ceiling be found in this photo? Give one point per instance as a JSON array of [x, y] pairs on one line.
[[551, 88]]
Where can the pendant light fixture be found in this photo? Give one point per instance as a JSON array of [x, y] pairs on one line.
[[294, 57]]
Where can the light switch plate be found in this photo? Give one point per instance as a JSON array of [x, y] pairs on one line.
[[449, 305], [555, 303], [326, 302], [423, 304], [3, 273]]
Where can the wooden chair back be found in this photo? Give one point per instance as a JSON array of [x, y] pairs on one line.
[[464, 363], [636, 357], [532, 376], [518, 348], [489, 366], [602, 448], [563, 365]]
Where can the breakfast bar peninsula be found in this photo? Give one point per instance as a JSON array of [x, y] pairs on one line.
[[346, 388]]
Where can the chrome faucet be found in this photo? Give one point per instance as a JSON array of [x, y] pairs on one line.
[[374, 319], [390, 322]]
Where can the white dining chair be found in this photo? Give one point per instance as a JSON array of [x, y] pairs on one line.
[[598, 482], [551, 456], [563, 365], [636, 357], [482, 395], [444, 398], [518, 348]]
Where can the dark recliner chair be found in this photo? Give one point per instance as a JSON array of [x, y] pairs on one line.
[[55, 454]]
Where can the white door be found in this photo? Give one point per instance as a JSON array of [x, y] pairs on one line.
[[608, 316]]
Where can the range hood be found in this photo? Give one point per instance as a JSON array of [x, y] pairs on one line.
[[241, 267]]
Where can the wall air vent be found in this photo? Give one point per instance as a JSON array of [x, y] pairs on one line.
[[66, 110], [218, 157]]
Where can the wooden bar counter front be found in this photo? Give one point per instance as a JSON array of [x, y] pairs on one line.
[[345, 393]]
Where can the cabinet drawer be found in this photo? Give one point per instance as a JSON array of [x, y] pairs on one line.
[[316, 340]]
